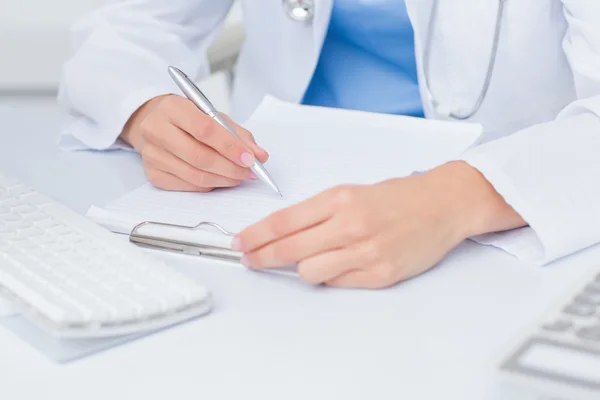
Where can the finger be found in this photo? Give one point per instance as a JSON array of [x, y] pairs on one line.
[[185, 115], [301, 245], [198, 155], [260, 153], [328, 265], [167, 162], [285, 222], [357, 279], [166, 181]]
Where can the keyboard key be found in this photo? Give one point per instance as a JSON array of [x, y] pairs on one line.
[[66, 272], [77, 258], [37, 217], [7, 181], [16, 239], [120, 308], [9, 218], [8, 248], [47, 224], [90, 251], [88, 247], [36, 251], [35, 292], [24, 259], [18, 224], [593, 288], [28, 245], [580, 310], [10, 202], [58, 247], [591, 333], [18, 190], [6, 236], [152, 305], [90, 307], [36, 199], [59, 230], [31, 232], [558, 326], [589, 298], [73, 238], [45, 239], [24, 209]]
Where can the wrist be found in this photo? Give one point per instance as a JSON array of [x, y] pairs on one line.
[[471, 202]]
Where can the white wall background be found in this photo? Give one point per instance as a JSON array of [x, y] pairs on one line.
[[33, 41], [34, 36]]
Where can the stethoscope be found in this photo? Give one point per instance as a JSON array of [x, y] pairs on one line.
[[303, 11], [299, 10]]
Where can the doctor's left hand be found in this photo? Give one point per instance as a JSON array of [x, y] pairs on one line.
[[374, 236]]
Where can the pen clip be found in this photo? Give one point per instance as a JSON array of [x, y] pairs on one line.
[[186, 227]]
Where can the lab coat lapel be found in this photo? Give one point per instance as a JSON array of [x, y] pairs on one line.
[[321, 23], [297, 50], [419, 12]]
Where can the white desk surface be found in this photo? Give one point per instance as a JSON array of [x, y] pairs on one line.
[[272, 337]]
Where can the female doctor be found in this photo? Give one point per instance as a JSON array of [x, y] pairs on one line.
[[528, 71]]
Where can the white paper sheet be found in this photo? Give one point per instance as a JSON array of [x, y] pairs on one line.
[[311, 149]]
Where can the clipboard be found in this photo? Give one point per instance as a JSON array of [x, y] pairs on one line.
[[205, 239], [188, 247]]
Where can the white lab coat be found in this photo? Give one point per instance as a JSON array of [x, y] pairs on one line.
[[543, 105]]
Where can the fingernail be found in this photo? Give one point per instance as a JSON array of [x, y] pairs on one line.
[[252, 177], [246, 262], [247, 159], [236, 244]]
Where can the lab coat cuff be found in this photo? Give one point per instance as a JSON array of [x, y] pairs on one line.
[[525, 243], [83, 134]]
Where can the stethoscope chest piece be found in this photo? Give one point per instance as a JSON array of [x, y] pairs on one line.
[[299, 10]]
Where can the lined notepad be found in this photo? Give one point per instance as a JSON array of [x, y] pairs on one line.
[[312, 149]]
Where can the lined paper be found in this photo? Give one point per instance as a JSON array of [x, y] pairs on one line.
[[311, 149]]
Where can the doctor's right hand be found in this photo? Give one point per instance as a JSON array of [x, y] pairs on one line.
[[184, 149]]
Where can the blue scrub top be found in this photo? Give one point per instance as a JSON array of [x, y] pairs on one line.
[[368, 60]]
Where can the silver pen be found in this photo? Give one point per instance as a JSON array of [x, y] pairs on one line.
[[194, 94]]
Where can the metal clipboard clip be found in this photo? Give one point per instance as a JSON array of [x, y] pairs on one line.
[[185, 246]]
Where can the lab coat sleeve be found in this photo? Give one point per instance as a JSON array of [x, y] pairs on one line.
[[550, 173], [119, 60]]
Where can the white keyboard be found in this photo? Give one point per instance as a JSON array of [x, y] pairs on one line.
[[560, 355], [75, 279]]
